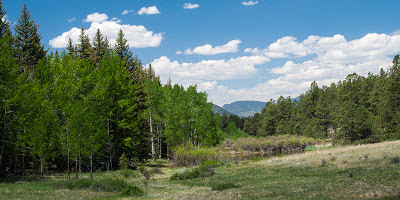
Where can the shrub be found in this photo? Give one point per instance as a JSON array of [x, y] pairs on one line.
[[132, 191], [187, 155], [123, 162], [223, 186], [198, 172], [79, 184], [107, 185], [127, 173], [212, 163]]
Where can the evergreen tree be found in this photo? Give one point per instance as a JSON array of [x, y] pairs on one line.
[[71, 49], [4, 25], [100, 47], [85, 49], [27, 42], [121, 48]]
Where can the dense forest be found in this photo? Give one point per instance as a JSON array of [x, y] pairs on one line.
[[86, 107], [356, 110]]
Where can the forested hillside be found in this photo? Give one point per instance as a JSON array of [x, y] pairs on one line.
[[356, 110], [89, 106]]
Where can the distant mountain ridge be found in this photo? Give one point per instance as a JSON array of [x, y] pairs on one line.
[[245, 108], [220, 110]]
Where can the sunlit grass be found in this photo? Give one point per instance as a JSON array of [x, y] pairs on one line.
[[354, 172]]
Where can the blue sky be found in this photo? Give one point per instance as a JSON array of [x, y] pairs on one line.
[[235, 49]]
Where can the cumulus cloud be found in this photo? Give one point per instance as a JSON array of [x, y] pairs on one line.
[[96, 17], [208, 49], [333, 58], [179, 52], [127, 11], [149, 11], [190, 6], [329, 59], [250, 3], [137, 36], [207, 70]]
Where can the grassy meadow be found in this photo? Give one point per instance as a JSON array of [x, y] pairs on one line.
[[352, 172]]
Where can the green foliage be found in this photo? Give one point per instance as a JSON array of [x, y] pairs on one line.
[[186, 155], [223, 186], [28, 47], [127, 173], [106, 185], [198, 172], [132, 190], [123, 162], [212, 163], [281, 143], [233, 133]]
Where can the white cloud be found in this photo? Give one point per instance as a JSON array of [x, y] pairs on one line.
[[179, 52], [231, 46], [137, 36], [250, 3], [6, 19], [96, 17], [127, 11], [149, 11], [116, 20], [333, 59], [190, 6], [252, 50], [206, 70], [72, 19]]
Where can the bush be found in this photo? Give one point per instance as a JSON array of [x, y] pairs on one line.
[[78, 184], [109, 185], [127, 173], [188, 155], [223, 186], [123, 162], [282, 143], [198, 172], [212, 163], [132, 191]]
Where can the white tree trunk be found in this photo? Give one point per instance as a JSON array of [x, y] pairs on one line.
[[153, 153]]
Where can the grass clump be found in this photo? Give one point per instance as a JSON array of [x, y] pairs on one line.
[[223, 186], [282, 143], [189, 155], [198, 172], [212, 163], [132, 191], [105, 185], [127, 173]]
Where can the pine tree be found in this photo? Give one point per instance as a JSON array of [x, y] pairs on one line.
[[85, 49], [4, 25], [121, 48], [71, 49], [27, 42], [100, 47]]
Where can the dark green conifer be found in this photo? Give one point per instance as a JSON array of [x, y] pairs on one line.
[[85, 49], [121, 48], [28, 49], [4, 24]]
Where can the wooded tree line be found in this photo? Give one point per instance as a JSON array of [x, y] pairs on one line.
[[84, 108], [356, 110]]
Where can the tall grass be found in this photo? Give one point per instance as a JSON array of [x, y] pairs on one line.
[[188, 155], [282, 143]]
